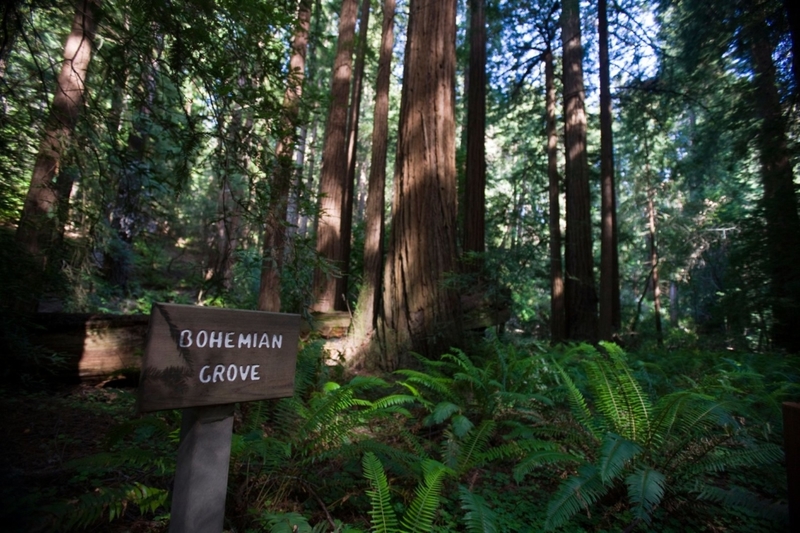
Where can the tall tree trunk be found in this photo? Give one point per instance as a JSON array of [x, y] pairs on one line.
[[651, 226], [37, 225], [609, 258], [581, 297], [779, 201], [269, 292], [475, 190], [9, 27], [421, 313], [369, 297], [352, 146], [333, 178], [557, 324]]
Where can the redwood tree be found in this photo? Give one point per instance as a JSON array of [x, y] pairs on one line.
[[269, 292], [579, 288], [421, 313], [38, 224], [475, 190], [352, 144], [557, 324], [333, 175], [610, 316], [369, 297]]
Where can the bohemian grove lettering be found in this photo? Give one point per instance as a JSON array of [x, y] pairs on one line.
[[223, 339], [222, 373]]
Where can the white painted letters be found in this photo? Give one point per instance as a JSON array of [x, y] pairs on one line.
[[231, 373], [185, 339], [244, 340]]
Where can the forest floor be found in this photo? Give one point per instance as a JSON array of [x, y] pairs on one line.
[[42, 433]]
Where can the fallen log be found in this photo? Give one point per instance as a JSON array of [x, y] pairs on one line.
[[96, 346]]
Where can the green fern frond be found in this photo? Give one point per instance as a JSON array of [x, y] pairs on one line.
[[540, 458], [383, 517], [615, 453], [743, 499], [394, 400], [723, 459], [618, 396], [421, 513], [441, 412], [479, 517], [575, 493], [438, 385], [474, 446], [646, 489], [577, 403], [461, 425], [92, 507]]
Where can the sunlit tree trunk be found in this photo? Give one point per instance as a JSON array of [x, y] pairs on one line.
[[352, 145], [269, 292], [610, 316], [333, 177], [421, 313], [37, 225], [779, 201], [579, 288], [557, 325], [475, 190], [369, 297]]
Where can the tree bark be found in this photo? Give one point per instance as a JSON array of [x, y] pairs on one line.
[[37, 225], [475, 190], [610, 316], [779, 201], [557, 324], [333, 176], [651, 226], [352, 145], [369, 297], [421, 313], [581, 297], [269, 292]]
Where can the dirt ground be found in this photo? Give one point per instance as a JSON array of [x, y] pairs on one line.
[[41, 433]]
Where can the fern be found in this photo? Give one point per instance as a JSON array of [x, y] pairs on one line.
[[646, 488], [421, 513], [479, 517], [575, 493], [615, 453], [383, 517], [90, 508]]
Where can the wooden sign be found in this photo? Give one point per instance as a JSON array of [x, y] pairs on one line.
[[200, 356]]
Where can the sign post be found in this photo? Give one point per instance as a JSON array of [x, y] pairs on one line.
[[203, 360]]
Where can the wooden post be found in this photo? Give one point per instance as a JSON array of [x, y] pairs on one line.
[[791, 445], [201, 475]]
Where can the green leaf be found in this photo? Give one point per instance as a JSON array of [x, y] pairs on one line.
[[645, 490], [479, 516], [383, 517], [421, 513], [615, 453], [575, 493]]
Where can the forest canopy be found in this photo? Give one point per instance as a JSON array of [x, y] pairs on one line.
[[585, 169]]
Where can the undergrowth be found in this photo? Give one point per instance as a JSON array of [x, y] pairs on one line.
[[511, 437]]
